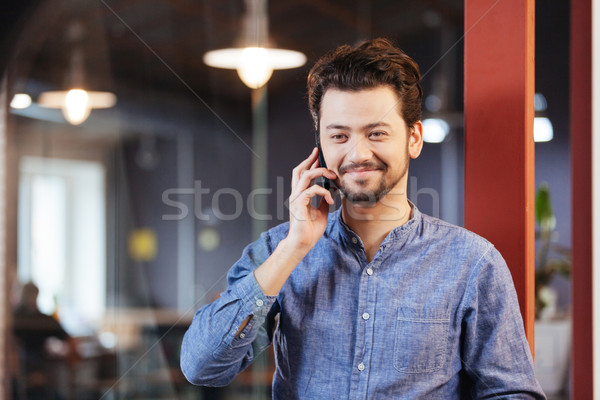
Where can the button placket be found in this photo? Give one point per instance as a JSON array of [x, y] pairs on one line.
[[368, 308], [362, 348]]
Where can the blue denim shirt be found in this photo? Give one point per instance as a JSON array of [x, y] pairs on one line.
[[434, 315]]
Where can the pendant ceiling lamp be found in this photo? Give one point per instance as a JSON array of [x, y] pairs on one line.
[[254, 58], [76, 103]]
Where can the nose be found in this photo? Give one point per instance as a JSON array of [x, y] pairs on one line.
[[360, 150]]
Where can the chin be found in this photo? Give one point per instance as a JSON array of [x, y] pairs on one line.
[[362, 197]]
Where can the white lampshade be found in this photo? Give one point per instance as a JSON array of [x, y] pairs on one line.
[[76, 104], [254, 69], [20, 101], [254, 64]]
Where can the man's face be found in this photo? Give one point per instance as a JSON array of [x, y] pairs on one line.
[[365, 141]]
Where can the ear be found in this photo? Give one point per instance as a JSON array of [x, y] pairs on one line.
[[415, 140]]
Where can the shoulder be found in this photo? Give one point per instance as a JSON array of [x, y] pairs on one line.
[[454, 235], [469, 252], [487, 265]]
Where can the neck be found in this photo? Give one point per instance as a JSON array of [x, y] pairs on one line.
[[372, 223]]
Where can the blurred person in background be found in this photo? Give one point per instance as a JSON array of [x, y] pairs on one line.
[[40, 340]]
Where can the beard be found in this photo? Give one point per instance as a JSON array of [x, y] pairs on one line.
[[368, 197]]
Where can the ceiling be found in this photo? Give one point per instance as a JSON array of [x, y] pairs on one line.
[[153, 46]]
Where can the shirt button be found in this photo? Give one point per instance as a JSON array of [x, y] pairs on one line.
[[361, 367], [242, 335], [259, 303], [365, 316], [369, 271], [354, 240]]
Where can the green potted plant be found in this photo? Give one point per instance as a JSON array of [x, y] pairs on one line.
[[551, 257], [552, 333]]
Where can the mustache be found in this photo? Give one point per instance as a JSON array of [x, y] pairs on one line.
[[366, 165]]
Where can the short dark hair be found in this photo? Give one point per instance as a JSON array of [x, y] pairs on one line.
[[369, 64]]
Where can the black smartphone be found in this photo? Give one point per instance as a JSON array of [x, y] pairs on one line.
[[325, 182]]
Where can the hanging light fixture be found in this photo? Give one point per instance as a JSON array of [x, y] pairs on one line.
[[542, 126], [20, 101], [435, 130], [76, 103], [253, 59]]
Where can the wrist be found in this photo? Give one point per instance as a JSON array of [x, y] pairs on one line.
[[272, 274], [294, 249]]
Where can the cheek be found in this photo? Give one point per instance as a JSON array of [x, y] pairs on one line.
[[332, 157], [394, 159]]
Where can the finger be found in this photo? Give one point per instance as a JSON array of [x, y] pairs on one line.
[[315, 164], [304, 196], [316, 190], [307, 178], [304, 179], [303, 166]]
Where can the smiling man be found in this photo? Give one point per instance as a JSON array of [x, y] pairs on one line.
[[375, 300]]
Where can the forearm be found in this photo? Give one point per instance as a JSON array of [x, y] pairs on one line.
[[213, 350], [273, 273]]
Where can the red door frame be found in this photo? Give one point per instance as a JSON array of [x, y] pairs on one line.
[[581, 190], [499, 147], [499, 154]]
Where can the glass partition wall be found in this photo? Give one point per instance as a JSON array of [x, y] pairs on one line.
[[142, 172]]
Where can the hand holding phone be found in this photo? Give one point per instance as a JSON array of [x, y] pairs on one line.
[[307, 220]]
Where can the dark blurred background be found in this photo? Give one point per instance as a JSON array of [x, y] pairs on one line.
[[147, 201]]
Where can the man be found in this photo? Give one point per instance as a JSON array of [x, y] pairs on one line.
[[376, 300], [33, 329]]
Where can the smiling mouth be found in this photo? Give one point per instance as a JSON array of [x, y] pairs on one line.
[[360, 172], [361, 169]]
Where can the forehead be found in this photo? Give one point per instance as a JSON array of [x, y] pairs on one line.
[[374, 104]]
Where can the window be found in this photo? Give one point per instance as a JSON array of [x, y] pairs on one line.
[[62, 238]]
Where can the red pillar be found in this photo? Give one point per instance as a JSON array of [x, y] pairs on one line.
[[581, 187], [499, 147]]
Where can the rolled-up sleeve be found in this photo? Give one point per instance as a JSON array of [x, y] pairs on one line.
[[496, 355], [211, 353]]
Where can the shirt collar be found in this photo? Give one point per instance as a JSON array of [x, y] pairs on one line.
[[346, 235]]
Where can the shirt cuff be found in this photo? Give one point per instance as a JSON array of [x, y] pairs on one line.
[[254, 301]]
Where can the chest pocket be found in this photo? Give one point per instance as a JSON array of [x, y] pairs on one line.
[[421, 340]]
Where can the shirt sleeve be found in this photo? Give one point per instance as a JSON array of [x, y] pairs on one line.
[[495, 353], [211, 353]]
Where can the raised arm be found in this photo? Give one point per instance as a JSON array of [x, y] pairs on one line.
[[224, 335], [214, 349]]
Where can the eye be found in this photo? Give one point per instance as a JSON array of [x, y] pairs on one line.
[[338, 137], [377, 134]]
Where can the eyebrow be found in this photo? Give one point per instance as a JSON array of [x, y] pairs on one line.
[[364, 128]]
